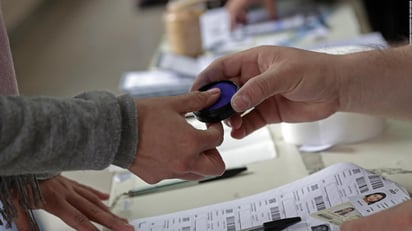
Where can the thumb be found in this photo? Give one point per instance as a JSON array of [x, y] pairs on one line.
[[259, 88], [252, 93], [198, 100]]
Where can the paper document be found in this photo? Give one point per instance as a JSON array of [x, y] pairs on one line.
[[337, 187]]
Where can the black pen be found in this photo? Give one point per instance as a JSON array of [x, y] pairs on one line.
[[276, 225], [181, 184]]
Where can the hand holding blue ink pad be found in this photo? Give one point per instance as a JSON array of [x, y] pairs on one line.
[[221, 109]]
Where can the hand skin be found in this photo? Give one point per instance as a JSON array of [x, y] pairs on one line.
[[169, 147], [76, 204], [237, 10], [280, 84], [397, 218], [283, 84]]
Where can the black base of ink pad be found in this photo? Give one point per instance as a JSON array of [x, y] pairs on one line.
[[221, 109]]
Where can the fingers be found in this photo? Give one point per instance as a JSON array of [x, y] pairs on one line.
[[92, 195], [248, 124], [96, 210], [212, 136], [261, 87], [79, 213], [202, 158], [104, 218], [196, 101], [238, 65], [22, 221], [71, 216], [252, 93], [79, 205], [209, 163], [100, 195]]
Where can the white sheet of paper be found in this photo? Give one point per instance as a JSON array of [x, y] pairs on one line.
[[326, 188]]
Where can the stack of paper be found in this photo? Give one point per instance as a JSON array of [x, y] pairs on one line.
[[323, 200]]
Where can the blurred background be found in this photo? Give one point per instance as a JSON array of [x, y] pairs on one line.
[[64, 47]]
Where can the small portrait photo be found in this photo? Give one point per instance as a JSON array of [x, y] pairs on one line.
[[323, 227], [344, 211], [374, 197]]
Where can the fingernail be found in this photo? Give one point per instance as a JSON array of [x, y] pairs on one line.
[[240, 103], [213, 91], [227, 122]]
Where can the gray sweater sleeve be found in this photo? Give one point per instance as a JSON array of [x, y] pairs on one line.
[[89, 131]]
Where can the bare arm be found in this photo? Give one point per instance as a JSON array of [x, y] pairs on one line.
[[283, 84], [377, 82]]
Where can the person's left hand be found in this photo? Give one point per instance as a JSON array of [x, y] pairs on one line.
[[169, 146], [76, 204]]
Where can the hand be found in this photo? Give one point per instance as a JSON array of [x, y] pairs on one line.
[[280, 84], [397, 218], [237, 10], [169, 147], [76, 204]]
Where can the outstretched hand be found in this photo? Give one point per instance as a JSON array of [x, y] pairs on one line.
[[169, 147], [277, 84], [76, 204]]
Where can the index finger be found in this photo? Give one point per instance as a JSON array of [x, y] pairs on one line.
[[242, 65]]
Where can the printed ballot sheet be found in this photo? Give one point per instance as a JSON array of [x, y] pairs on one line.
[[323, 200]]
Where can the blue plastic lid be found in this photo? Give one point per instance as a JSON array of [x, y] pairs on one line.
[[221, 109]]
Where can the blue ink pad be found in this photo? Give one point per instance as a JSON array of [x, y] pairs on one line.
[[221, 109]]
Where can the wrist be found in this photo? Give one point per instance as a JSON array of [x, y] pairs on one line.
[[356, 74]]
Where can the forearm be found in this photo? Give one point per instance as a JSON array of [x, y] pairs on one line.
[[377, 82], [41, 134]]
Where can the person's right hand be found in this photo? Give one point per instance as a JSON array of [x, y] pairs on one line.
[[397, 218], [169, 147], [279, 84]]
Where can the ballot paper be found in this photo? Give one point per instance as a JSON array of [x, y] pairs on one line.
[[338, 186]]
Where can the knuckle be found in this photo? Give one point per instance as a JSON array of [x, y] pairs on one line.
[[199, 98], [152, 180], [182, 166], [260, 86], [220, 139]]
